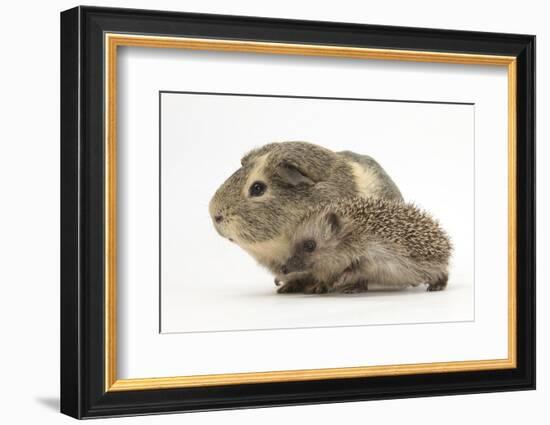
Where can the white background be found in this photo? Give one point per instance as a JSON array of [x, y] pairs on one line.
[[30, 244], [209, 284]]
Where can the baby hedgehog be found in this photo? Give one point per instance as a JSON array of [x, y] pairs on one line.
[[356, 244]]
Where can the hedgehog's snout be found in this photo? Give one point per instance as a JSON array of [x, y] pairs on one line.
[[293, 264]]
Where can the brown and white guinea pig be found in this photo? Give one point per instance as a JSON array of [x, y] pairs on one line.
[[277, 183]]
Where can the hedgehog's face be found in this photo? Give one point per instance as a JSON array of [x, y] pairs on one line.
[[315, 250]]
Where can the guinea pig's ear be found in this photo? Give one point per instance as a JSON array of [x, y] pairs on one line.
[[249, 157], [333, 222], [293, 175], [255, 153]]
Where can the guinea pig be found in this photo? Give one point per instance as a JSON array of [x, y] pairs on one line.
[[277, 183], [358, 244]]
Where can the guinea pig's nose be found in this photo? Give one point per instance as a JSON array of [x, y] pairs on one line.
[[284, 269], [218, 218]]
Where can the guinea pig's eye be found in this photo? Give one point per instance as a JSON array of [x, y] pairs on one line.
[[309, 246], [257, 189]]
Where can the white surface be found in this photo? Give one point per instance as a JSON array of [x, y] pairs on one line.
[[145, 72], [209, 284], [29, 361]]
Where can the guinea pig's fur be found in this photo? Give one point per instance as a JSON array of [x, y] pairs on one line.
[[295, 176], [356, 244]]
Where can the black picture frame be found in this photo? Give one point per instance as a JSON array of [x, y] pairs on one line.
[[83, 392]]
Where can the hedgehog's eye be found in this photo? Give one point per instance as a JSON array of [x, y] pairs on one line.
[[257, 189], [309, 246]]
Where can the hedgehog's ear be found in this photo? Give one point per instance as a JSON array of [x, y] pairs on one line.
[[333, 222], [293, 175]]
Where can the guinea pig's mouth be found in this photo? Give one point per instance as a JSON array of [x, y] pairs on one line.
[[221, 226], [220, 231]]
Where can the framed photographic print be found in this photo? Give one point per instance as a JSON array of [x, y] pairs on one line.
[[261, 212]]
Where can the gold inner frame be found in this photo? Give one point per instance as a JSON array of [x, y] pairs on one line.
[[113, 41]]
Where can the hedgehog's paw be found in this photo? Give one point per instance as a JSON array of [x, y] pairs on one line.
[[353, 288], [438, 285], [435, 287], [292, 286], [316, 288]]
